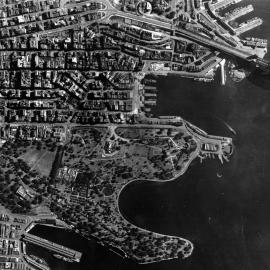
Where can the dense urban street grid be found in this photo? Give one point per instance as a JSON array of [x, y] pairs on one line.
[[76, 96]]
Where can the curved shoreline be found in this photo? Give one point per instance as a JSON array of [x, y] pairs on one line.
[[190, 251], [198, 136], [140, 244]]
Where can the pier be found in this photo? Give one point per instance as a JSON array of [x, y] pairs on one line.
[[238, 12], [36, 264], [222, 71], [248, 25], [59, 249], [223, 4], [180, 33]]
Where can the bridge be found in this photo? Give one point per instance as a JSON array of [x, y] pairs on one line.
[[59, 249]]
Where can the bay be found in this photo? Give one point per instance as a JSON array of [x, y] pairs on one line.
[[228, 218]]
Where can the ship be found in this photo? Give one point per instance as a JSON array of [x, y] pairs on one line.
[[219, 175], [38, 260], [255, 42], [60, 257], [257, 39]]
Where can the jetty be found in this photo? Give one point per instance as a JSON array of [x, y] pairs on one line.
[[51, 246]]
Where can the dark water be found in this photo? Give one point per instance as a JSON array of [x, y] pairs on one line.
[[228, 218], [94, 255]]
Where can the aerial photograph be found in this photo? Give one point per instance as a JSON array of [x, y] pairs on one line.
[[134, 135]]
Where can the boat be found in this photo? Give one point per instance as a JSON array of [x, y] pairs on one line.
[[38, 260], [65, 259], [230, 128], [219, 175], [255, 42]]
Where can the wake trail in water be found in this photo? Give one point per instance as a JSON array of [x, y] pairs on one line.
[[227, 125]]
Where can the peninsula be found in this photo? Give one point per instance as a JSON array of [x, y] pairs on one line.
[[76, 123]]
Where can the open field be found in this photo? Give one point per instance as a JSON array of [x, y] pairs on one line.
[[39, 160]]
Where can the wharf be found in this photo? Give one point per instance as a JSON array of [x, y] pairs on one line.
[[59, 249], [224, 4], [238, 12], [248, 25], [36, 264]]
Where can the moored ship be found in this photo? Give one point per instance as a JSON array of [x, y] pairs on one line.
[[63, 258], [38, 260], [255, 42]]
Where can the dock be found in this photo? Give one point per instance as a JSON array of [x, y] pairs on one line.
[[36, 264], [224, 4], [255, 42], [248, 25], [56, 248], [238, 12], [222, 71]]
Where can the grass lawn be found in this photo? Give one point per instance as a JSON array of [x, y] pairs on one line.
[[39, 160]]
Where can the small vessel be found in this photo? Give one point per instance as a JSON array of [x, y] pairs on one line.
[[228, 126], [38, 260], [231, 129], [60, 257], [255, 42]]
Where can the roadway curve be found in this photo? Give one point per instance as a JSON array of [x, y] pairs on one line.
[[207, 42]]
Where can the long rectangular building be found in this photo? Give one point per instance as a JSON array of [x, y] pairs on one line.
[[59, 249]]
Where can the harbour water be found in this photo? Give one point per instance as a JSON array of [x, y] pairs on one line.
[[223, 210]]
